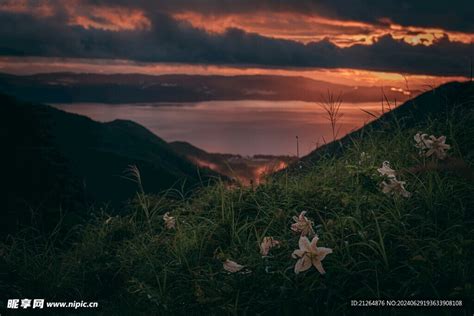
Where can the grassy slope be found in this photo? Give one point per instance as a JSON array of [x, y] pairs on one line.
[[438, 102], [384, 247]]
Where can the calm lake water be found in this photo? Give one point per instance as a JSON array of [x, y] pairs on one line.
[[240, 127]]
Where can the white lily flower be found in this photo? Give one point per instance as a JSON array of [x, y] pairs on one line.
[[232, 266], [302, 225], [170, 221], [267, 244], [422, 141], [393, 186], [309, 255], [438, 147], [386, 170], [431, 146]]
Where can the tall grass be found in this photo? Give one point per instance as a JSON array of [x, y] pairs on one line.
[[331, 104]]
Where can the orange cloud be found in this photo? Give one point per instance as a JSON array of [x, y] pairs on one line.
[[307, 28], [39, 8], [110, 18], [289, 26], [299, 27]]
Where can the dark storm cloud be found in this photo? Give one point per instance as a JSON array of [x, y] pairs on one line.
[[455, 15], [168, 40]]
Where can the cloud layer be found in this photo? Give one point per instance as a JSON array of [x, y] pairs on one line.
[[152, 34], [455, 15]]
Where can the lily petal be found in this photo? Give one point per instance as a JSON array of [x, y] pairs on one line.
[[232, 266], [314, 244], [322, 252], [304, 244], [298, 253], [303, 264], [318, 265]]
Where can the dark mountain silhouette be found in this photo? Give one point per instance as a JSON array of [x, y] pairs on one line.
[[52, 158], [134, 88]]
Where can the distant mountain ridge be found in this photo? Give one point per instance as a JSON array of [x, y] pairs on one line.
[[140, 88]]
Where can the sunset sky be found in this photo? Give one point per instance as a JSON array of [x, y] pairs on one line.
[[354, 42]]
